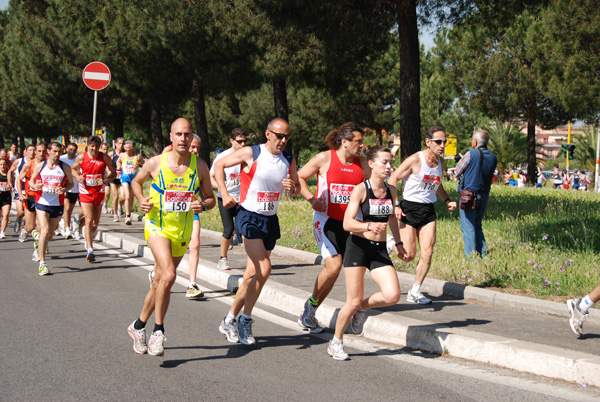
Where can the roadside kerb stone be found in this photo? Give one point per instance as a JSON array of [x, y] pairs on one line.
[[416, 334]]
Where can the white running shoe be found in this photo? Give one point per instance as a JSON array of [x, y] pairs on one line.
[[230, 331], [139, 339], [23, 235], [336, 350], [128, 221], [576, 316], [156, 344], [417, 298], [244, 330], [223, 264], [116, 218], [2, 235], [76, 235], [68, 234], [35, 256], [193, 291], [17, 227]]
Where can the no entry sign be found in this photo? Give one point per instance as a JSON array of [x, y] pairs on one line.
[[96, 76]]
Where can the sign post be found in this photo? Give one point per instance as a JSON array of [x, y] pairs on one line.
[[96, 76]]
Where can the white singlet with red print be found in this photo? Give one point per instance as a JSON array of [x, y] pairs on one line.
[[421, 187], [261, 188], [52, 180], [232, 176]]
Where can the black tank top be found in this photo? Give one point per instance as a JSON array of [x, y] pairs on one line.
[[3, 177], [377, 209]]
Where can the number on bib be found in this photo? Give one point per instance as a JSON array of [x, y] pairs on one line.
[[178, 201]]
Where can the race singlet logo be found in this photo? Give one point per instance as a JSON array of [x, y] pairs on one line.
[[267, 200], [380, 207], [178, 201], [430, 182], [340, 193], [93, 180], [234, 179]]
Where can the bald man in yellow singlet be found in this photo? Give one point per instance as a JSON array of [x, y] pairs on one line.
[[177, 179]]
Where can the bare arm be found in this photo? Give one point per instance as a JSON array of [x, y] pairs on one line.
[[36, 173], [314, 166], [442, 193], [11, 172], [290, 183], [138, 182], [241, 156], [206, 190], [75, 168], [111, 168]]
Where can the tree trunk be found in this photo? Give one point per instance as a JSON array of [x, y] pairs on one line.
[[280, 98], [118, 125], [21, 145], [531, 154], [410, 87], [156, 129], [200, 120]]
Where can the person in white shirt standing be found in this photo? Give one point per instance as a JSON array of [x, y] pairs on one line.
[[232, 182]]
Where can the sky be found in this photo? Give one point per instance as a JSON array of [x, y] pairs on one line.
[[3, 4]]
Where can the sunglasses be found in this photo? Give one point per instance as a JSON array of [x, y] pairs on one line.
[[439, 142], [240, 141], [280, 136]]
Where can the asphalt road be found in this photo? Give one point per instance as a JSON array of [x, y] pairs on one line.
[[64, 338]]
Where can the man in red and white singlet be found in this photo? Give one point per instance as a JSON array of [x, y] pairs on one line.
[[339, 169], [88, 170], [266, 171], [52, 179], [422, 174]]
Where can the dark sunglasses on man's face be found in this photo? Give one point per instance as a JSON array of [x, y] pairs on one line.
[[439, 142], [280, 136]]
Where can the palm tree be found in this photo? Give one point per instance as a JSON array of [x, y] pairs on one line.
[[585, 148], [508, 143]]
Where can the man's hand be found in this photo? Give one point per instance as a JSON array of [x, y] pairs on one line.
[[197, 207], [377, 227], [289, 184], [451, 205], [146, 206], [398, 212], [229, 201], [318, 204]]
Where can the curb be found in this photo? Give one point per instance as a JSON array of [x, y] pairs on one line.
[[391, 328]]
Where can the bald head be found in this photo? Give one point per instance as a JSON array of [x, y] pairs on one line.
[[482, 137], [277, 124], [181, 123]]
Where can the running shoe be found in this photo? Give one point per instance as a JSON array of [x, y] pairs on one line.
[[336, 350], [193, 291], [43, 269], [104, 209], [75, 222], [230, 331], [57, 232], [234, 241], [17, 227], [156, 344], [244, 329], [121, 212], [76, 235], [68, 234], [35, 234], [308, 320], [576, 316], [128, 221], [23, 235], [35, 256], [90, 256], [139, 339], [357, 322], [115, 218], [417, 298], [2, 235], [223, 264]]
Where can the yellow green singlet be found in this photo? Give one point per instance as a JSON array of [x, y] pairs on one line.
[[171, 216]]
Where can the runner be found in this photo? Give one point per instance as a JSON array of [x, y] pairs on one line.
[[115, 185], [232, 182], [104, 150], [71, 198], [128, 164], [13, 154], [13, 173], [88, 170], [422, 173], [5, 196], [52, 179], [266, 170], [30, 217], [339, 169], [368, 213], [177, 177]]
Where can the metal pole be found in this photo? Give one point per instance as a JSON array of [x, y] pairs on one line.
[[94, 118], [597, 159], [568, 142]]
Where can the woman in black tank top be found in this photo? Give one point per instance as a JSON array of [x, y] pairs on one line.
[[370, 210], [5, 196]]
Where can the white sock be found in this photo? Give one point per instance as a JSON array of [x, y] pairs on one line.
[[229, 319], [90, 250], [336, 340], [416, 288], [586, 303], [245, 317]]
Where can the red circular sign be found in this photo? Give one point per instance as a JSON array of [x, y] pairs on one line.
[[96, 76]]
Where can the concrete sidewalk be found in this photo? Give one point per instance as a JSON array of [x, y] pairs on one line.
[[516, 332]]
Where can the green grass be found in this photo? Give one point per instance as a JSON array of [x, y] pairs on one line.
[[541, 242]]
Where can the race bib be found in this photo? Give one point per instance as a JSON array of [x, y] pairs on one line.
[[118, 175], [430, 183], [50, 187], [267, 200], [234, 179], [340, 193], [93, 180], [4, 186], [379, 207], [129, 169], [178, 201]]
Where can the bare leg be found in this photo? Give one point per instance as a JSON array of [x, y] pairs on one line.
[[355, 290]]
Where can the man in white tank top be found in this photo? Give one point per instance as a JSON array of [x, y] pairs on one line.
[[266, 171], [422, 174]]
